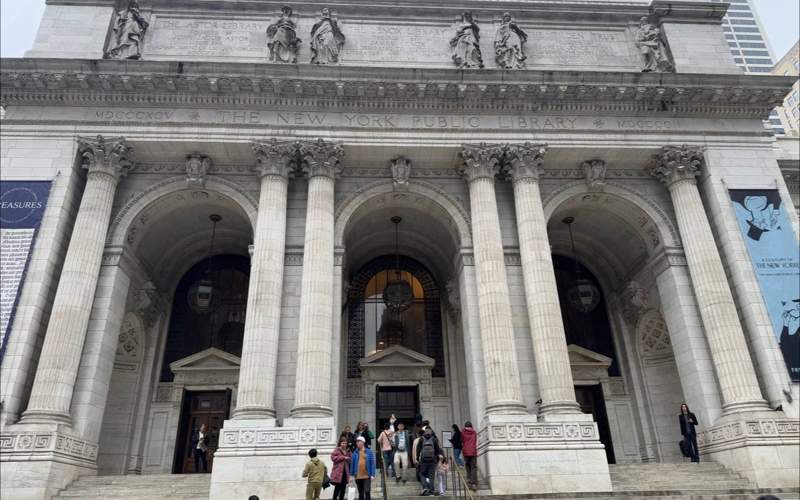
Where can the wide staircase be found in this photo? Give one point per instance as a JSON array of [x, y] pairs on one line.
[[704, 481]]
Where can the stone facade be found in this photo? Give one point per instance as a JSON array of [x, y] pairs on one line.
[[629, 117]]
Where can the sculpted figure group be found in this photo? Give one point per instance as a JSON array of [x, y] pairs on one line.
[[327, 41]]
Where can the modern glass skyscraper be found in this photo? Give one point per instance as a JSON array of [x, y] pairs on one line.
[[749, 45]]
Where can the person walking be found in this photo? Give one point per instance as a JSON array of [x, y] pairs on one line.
[[200, 445], [414, 447], [469, 447], [428, 453], [340, 473], [348, 435], [315, 472], [457, 446], [441, 475], [401, 447], [386, 445], [688, 421], [362, 468]]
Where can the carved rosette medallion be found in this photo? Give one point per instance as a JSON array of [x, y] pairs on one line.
[[105, 156], [275, 157], [675, 164], [481, 161], [320, 158], [524, 162]]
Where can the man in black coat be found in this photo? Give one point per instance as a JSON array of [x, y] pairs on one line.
[[428, 453]]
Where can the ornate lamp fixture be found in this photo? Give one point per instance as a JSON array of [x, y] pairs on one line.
[[201, 293], [583, 294], [397, 295]]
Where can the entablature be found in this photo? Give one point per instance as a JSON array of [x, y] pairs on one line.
[[86, 82]]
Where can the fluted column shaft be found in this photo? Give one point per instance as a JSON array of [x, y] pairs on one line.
[[51, 395], [259, 363], [677, 168], [320, 162], [550, 355], [503, 387]]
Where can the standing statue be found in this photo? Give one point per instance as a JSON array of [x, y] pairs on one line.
[[509, 41], [465, 45], [326, 40], [652, 47], [128, 33], [283, 42]]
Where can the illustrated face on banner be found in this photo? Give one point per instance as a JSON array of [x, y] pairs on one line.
[[773, 251]]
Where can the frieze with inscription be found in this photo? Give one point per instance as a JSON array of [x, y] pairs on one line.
[[564, 48]]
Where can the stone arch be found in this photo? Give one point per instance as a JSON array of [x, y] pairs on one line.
[[125, 218], [457, 213], [661, 223]]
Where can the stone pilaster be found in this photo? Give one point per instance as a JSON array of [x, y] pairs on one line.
[[678, 167], [106, 161], [256, 392], [523, 163], [320, 162], [503, 390]]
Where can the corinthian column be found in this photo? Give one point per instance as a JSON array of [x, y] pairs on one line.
[[553, 372], [677, 168], [106, 160], [320, 162], [256, 393], [503, 393]]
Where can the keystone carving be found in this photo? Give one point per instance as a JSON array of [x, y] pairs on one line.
[[595, 172], [197, 167], [108, 156], [401, 171]]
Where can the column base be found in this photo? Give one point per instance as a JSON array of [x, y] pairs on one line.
[[520, 455], [46, 417], [39, 460], [745, 406], [255, 457], [762, 446], [254, 413], [311, 411]]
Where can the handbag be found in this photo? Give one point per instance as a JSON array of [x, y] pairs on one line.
[[684, 446], [351, 493], [326, 481]]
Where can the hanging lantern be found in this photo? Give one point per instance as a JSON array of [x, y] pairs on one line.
[[582, 293], [201, 294], [397, 295]]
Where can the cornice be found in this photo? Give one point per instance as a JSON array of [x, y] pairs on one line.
[[106, 82]]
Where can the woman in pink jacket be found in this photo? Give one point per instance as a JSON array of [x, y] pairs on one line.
[[341, 464]]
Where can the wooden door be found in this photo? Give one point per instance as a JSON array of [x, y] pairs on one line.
[[209, 408], [591, 400]]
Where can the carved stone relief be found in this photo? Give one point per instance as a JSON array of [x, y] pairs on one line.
[[653, 335], [401, 171], [465, 45], [197, 167], [509, 44], [595, 172], [127, 34], [327, 39], [652, 47], [282, 38]]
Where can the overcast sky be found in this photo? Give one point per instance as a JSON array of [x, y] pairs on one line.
[[20, 20]]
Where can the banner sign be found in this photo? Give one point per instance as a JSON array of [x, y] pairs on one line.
[[776, 260], [22, 206]]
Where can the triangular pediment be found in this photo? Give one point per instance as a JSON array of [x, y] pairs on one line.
[[397, 356], [207, 359], [580, 356]]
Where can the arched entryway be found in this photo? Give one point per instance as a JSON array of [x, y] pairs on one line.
[[411, 359], [617, 247]]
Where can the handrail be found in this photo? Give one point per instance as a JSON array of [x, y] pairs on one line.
[[383, 475], [467, 491]]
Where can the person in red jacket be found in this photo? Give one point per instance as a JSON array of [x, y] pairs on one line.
[[469, 443]]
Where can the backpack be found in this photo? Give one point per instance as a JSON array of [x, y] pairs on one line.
[[428, 453]]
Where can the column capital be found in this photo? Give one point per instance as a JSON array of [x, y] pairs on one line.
[[481, 161], [110, 156], [274, 157], [524, 161], [676, 164], [320, 158]]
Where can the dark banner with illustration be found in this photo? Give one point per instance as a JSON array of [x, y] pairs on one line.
[[22, 206], [776, 260]]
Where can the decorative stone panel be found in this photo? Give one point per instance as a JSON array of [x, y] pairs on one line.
[[749, 432], [51, 445], [276, 437]]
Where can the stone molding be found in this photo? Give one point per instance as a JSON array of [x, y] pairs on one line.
[[677, 164], [46, 445], [265, 439], [753, 431], [110, 156], [154, 83], [538, 435]]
